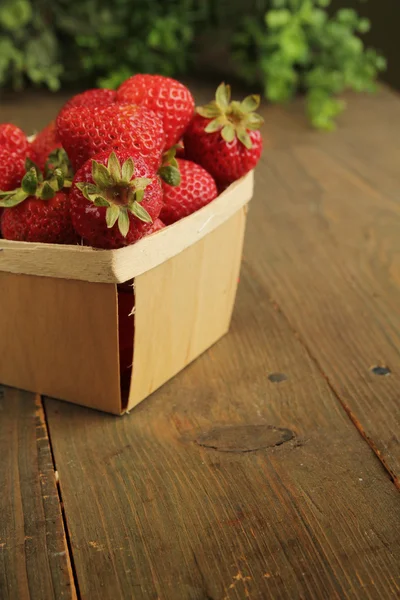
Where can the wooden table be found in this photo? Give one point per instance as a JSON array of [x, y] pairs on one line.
[[269, 467]]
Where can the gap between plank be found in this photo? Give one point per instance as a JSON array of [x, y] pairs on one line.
[[63, 514], [353, 418]]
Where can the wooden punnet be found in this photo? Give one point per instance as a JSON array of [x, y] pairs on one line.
[[59, 310]]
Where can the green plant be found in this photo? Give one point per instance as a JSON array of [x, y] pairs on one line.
[[300, 47], [285, 45]]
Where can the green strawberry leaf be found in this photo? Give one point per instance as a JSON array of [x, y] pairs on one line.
[[101, 175], [13, 199], [250, 103], [128, 170], [29, 164], [98, 200], [170, 174], [112, 215], [30, 182], [228, 133], [140, 212], [123, 223], [47, 192], [209, 111], [141, 183], [138, 197], [223, 95], [215, 125], [114, 167], [244, 137]]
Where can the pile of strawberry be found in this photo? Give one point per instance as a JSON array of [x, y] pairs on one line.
[[116, 166]]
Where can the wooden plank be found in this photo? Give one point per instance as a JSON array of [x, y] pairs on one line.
[[192, 307], [331, 260], [117, 266], [58, 336], [227, 484], [34, 560]]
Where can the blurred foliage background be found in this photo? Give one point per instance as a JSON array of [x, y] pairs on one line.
[[281, 47]]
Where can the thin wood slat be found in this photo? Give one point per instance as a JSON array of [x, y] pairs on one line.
[[34, 559]]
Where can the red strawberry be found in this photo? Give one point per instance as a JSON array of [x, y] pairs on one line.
[[38, 211], [45, 142], [13, 139], [157, 225], [223, 137], [92, 98], [115, 198], [168, 98], [85, 132], [126, 302], [197, 188], [12, 170]]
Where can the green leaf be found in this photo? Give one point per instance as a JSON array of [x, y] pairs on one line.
[[140, 213], [114, 167], [112, 215], [99, 200], [278, 18], [250, 103], [47, 192], [101, 175], [223, 95], [214, 125], [254, 121], [244, 137], [209, 111], [170, 175], [141, 183], [123, 223], [13, 199], [128, 170], [228, 133], [29, 182], [138, 197], [29, 164]]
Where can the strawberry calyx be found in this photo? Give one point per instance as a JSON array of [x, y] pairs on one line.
[[232, 118], [169, 170], [116, 188], [34, 184], [58, 159]]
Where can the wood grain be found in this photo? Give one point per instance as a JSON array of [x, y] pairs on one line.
[[60, 337], [328, 213], [34, 560], [191, 309], [153, 513]]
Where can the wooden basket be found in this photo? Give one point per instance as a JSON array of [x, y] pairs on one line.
[[59, 308]]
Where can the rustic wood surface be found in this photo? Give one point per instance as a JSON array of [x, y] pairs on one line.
[[34, 558], [268, 468]]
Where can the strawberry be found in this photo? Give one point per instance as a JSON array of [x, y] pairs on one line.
[[126, 302], [223, 136], [168, 98], [14, 140], [85, 132], [38, 211], [115, 198], [44, 143], [197, 188], [91, 98], [157, 225], [12, 170]]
